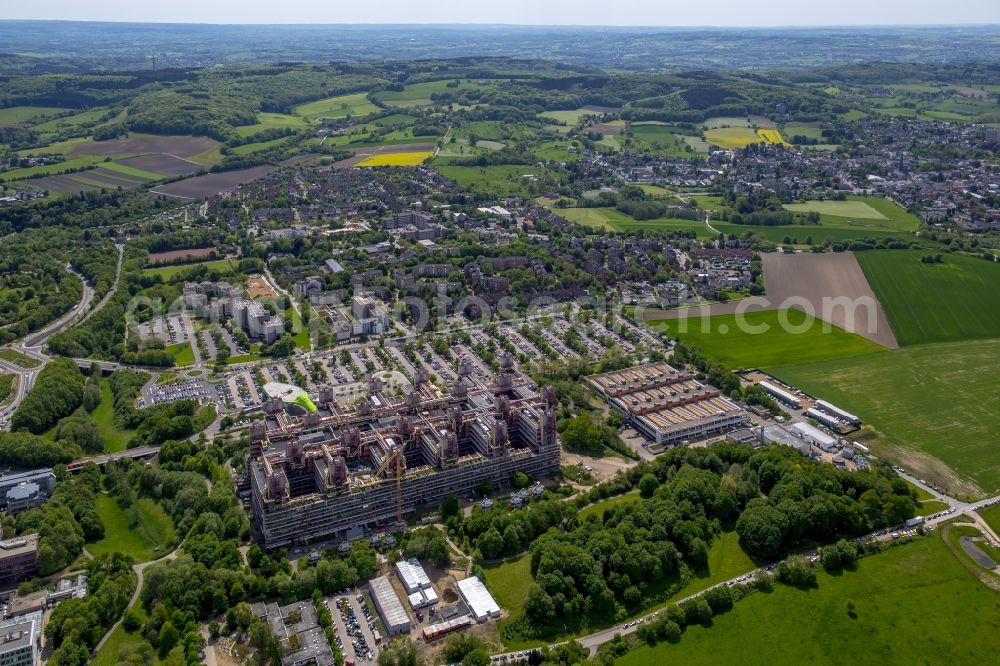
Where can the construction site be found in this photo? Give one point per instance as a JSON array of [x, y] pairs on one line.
[[668, 405], [338, 472]]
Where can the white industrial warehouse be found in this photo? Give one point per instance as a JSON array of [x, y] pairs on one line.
[[480, 602], [389, 608]]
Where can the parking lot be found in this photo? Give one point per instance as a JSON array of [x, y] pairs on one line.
[[194, 389], [355, 625]]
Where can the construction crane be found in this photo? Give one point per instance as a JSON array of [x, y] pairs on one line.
[[394, 456]]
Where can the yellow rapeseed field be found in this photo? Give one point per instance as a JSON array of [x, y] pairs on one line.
[[395, 159], [772, 136]]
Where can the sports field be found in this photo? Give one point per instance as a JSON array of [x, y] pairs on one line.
[[958, 299], [765, 339], [913, 604], [942, 400], [396, 159]]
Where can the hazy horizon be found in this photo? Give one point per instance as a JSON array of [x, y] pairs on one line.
[[529, 13]]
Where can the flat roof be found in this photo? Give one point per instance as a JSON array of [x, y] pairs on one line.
[[479, 599], [388, 602]]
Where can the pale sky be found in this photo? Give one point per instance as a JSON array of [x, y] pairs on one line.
[[523, 12]]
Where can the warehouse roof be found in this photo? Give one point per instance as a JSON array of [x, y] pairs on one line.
[[478, 598], [388, 603]]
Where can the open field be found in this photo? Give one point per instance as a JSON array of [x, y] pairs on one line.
[[17, 115], [913, 604], [758, 339], [167, 272], [153, 529], [955, 300], [609, 219], [420, 93], [504, 180], [396, 159], [725, 121], [863, 213], [266, 121], [18, 359], [598, 508], [731, 137], [212, 183], [569, 116], [356, 106], [838, 208], [942, 400], [816, 282]]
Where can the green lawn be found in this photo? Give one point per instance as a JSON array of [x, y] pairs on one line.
[[598, 508], [509, 583], [955, 300], [356, 106], [153, 528], [914, 604], [927, 507], [168, 272], [119, 638], [992, 517], [302, 336], [941, 399], [766, 339], [182, 352], [6, 386], [104, 414], [18, 359]]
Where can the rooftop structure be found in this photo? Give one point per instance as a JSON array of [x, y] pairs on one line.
[[666, 404], [289, 394], [481, 604], [814, 435], [295, 626], [20, 639], [412, 575], [364, 465], [18, 559], [781, 394], [389, 608]]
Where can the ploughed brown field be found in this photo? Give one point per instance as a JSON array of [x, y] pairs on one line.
[[167, 257], [805, 281], [167, 166], [199, 187], [608, 129], [184, 146]]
